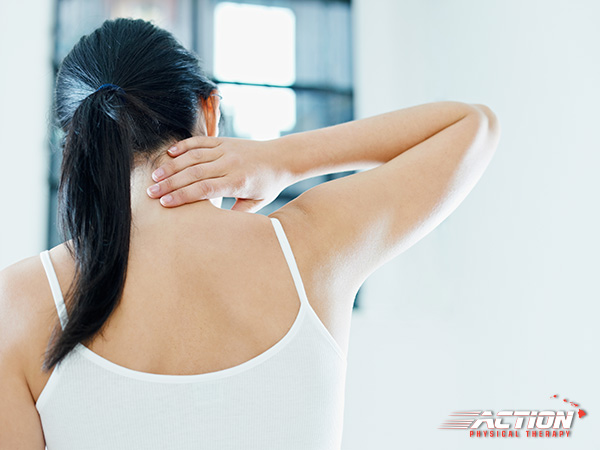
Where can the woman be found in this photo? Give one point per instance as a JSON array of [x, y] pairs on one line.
[[180, 324]]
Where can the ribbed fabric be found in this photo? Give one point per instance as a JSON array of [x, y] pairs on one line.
[[289, 397]]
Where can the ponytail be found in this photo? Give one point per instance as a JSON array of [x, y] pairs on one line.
[[108, 128], [95, 208]]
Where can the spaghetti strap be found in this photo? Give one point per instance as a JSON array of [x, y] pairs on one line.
[[291, 261], [55, 288]]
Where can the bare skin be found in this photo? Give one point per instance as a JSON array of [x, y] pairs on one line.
[[208, 288]]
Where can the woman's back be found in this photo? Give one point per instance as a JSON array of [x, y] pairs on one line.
[[217, 283], [226, 306]]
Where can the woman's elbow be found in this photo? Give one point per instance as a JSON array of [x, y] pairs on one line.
[[490, 123]]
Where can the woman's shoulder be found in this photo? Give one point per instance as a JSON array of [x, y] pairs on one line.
[[22, 286], [27, 314]]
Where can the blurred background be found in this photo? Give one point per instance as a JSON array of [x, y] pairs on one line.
[[496, 309]]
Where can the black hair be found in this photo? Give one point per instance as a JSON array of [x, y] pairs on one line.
[[151, 101]]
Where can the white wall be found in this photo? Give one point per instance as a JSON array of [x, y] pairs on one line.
[[25, 86], [498, 307]]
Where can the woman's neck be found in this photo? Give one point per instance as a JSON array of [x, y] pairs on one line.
[[147, 210]]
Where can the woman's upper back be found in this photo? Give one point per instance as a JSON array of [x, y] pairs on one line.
[[215, 307], [198, 301]]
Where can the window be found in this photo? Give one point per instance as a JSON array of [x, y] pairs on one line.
[[266, 55], [282, 66]]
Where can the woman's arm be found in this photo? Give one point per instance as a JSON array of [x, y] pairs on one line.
[[20, 426], [424, 161], [430, 157], [366, 143], [257, 171]]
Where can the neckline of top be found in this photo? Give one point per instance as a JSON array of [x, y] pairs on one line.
[[173, 378], [218, 374]]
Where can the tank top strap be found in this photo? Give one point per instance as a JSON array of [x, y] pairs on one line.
[[289, 257], [55, 288]]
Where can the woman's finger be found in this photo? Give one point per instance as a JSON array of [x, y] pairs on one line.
[[194, 142], [185, 177], [187, 159], [201, 190]]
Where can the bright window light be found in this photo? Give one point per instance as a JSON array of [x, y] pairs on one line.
[[259, 112], [255, 44]]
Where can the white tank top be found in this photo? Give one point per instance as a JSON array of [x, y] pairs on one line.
[[289, 397]]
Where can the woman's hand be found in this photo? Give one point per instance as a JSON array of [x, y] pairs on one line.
[[211, 167]]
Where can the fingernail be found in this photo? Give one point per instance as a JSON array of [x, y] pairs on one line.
[[166, 199], [172, 149], [157, 174], [154, 189]]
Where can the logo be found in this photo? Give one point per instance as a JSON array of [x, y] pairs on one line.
[[515, 423]]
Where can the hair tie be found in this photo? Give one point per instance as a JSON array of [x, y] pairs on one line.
[[109, 85]]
